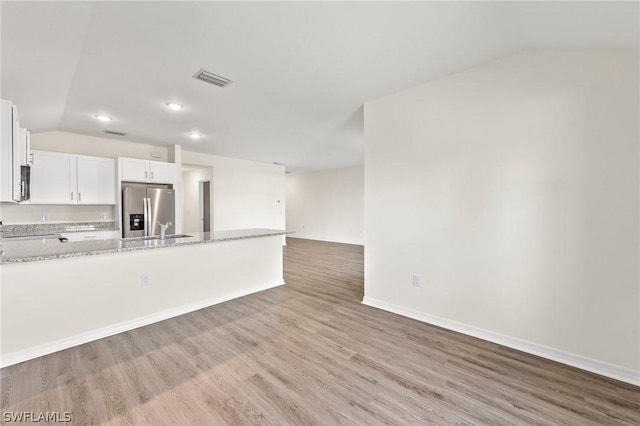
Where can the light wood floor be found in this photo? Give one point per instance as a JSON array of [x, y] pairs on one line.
[[309, 353]]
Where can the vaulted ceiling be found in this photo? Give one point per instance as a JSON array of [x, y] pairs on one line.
[[301, 71]]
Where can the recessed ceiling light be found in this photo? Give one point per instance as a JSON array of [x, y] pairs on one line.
[[174, 106], [195, 135], [102, 117]]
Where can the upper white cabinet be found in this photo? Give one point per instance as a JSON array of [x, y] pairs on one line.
[[135, 170], [161, 172], [72, 179], [14, 155], [26, 157], [96, 180], [53, 178]]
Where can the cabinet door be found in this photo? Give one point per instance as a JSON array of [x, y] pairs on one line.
[[25, 147], [53, 178], [6, 156], [93, 235], [161, 172], [16, 155], [96, 180], [134, 169]]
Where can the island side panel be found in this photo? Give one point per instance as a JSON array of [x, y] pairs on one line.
[[51, 305]]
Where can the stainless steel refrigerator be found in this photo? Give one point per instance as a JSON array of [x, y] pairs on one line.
[[145, 207]]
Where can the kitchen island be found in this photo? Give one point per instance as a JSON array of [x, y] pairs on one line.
[[37, 249], [54, 296]]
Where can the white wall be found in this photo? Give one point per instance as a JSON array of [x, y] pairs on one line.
[[327, 205], [73, 143], [174, 155], [21, 213], [246, 194], [191, 187], [512, 190]]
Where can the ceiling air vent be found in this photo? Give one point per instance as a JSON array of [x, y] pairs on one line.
[[208, 77], [113, 132]]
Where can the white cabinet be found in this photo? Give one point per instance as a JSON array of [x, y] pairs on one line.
[[135, 170], [91, 235], [58, 178], [53, 178], [161, 172], [96, 178], [6, 151], [26, 157], [14, 154]]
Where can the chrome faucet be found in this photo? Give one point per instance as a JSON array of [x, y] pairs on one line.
[[163, 229]]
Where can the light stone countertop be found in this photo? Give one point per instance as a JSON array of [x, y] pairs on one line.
[[29, 229], [38, 249]]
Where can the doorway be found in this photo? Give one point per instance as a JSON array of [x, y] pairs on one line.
[[205, 206]]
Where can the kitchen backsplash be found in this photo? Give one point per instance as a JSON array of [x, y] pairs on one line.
[[12, 214]]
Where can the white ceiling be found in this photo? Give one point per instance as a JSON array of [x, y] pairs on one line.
[[301, 71]]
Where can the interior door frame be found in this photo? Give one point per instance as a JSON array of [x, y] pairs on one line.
[[201, 205]]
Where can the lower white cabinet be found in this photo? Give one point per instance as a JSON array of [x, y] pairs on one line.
[[91, 235], [58, 178]]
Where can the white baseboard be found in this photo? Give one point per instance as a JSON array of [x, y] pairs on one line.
[[351, 243], [599, 367], [79, 339]]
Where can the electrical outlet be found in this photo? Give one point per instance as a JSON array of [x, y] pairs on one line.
[[145, 280], [104, 216], [45, 217], [416, 280]]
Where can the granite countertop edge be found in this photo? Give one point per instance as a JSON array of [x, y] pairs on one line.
[[258, 233]]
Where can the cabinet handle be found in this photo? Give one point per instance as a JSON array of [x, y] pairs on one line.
[[72, 196], [151, 175], [79, 196], [145, 175]]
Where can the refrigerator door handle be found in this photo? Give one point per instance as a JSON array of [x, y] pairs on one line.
[[150, 227], [149, 233], [144, 208]]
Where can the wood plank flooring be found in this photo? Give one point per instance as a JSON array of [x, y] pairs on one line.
[[308, 353]]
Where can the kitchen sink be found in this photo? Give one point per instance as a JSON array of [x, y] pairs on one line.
[[156, 237]]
